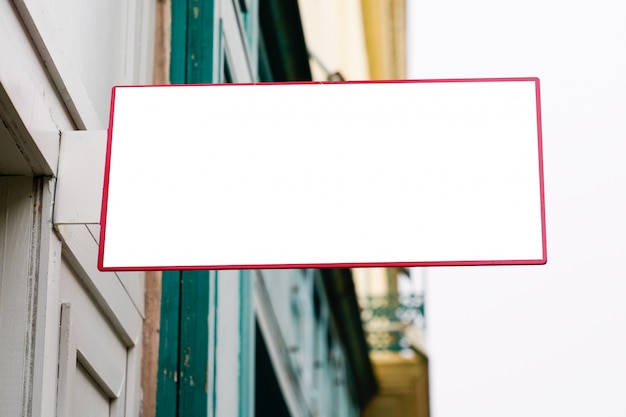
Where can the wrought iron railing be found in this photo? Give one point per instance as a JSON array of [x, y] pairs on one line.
[[389, 319]]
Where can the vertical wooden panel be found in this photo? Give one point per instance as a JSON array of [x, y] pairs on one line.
[[201, 41], [163, 18], [178, 57], [184, 366], [168, 373], [151, 333], [228, 347], [17, 278], [215, 350], [212, 365], [194, 347], [248, 342], [67, 362]]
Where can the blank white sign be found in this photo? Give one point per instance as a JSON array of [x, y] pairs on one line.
[[436, 172]]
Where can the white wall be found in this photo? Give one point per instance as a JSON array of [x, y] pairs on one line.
[[548, 340], [59, 62]]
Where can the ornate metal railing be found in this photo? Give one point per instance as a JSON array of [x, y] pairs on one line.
[[389, 319]]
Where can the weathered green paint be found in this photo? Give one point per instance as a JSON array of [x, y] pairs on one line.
[[183, 348], [206, 317], [201, 37], [193, 348], [193, 41], [183, 382], [212, 366], [178, 55], [168, 374]]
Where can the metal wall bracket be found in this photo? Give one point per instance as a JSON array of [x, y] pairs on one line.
[[80, 177]]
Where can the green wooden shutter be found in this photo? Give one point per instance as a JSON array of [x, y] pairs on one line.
[[184, 351], [192, 336]]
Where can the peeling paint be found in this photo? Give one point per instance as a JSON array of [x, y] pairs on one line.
[[186, 363]]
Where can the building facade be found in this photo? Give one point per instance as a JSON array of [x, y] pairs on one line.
[[357, 40], [70, 335], [77, 341], [278, 342]]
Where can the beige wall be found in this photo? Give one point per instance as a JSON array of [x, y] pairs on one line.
[[362, 39], [372, 282], [334, 33]]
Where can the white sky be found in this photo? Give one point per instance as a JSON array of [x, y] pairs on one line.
[[549, 340]]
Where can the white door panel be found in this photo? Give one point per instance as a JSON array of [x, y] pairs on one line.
[[93, 356], [94, 402]]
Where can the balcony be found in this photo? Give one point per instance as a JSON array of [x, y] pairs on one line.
[[393, 322]]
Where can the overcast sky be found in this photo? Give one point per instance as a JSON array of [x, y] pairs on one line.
[[543, 340]]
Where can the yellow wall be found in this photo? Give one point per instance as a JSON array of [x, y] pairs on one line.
[[402, 386], [385, 23]]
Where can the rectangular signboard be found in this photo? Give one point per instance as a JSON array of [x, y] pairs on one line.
[[409, 173]]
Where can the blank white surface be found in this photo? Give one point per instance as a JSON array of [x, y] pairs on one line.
[[324, 174], [539, 341]]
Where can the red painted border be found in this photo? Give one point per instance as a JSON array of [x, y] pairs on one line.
[[105, 187], [544, 241], [542, 261]]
